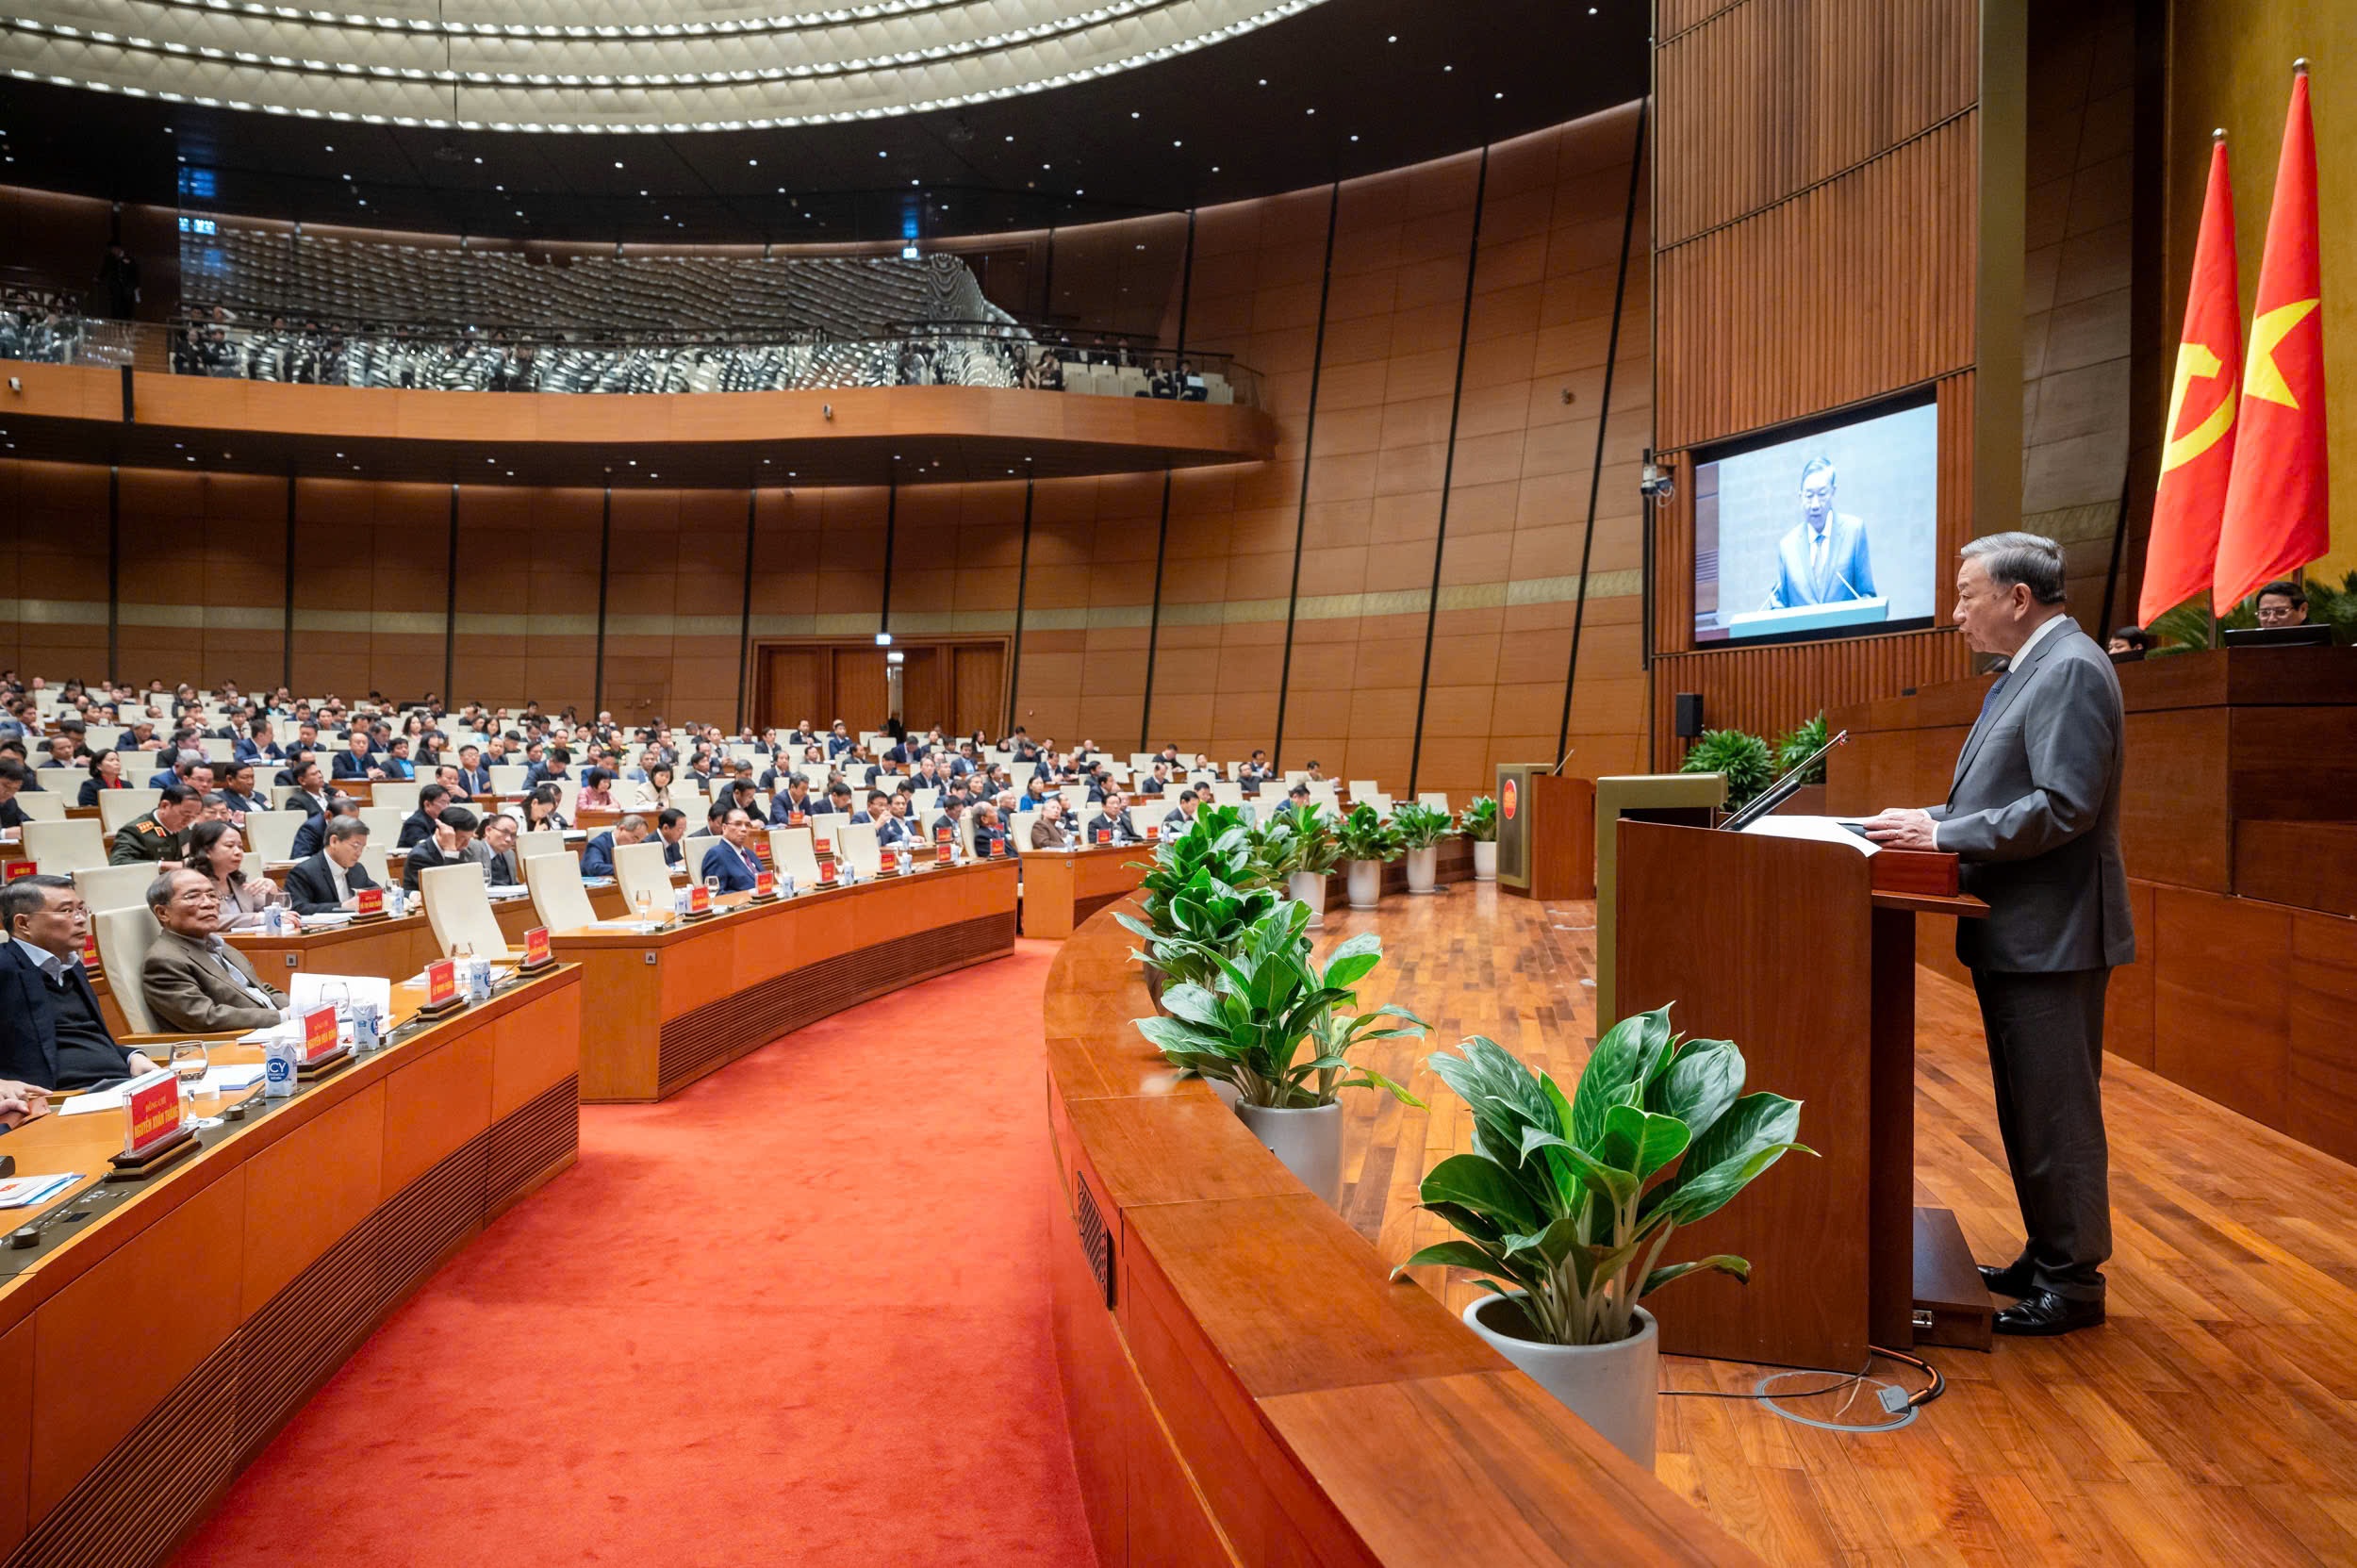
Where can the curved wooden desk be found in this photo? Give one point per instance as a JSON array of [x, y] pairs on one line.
[[1062, 888], [1243, 1382], [668, 1007], [150, 1350]]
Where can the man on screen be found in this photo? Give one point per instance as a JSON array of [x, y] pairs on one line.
[[1823, 560]]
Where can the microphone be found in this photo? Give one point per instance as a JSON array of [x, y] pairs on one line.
[[1559, 762]]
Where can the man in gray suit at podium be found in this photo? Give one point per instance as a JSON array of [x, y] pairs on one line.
[[1824, 559], [2034, 814]]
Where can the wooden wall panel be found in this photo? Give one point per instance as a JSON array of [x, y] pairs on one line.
[[1769, 690], [60, 513], [1766, 99], [1852, 289]]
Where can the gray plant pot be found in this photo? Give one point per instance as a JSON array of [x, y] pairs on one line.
[[1308, 887], [1365, 884], [1614, 1388], [1485, 860], [1307, 1142], [1422, 869]]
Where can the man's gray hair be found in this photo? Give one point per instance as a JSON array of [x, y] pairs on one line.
[[159, 891], [28, 896], [2031, 559], [346, 827]]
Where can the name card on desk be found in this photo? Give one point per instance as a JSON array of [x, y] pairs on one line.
[[700, 899], [318, 1033], [369, 900], [826, 873], [796, 819], [1153, 832], [441, 982], [151, 1106], [941, 835], [1104, 836], [535, 946], [23, 869], [89, 955], [822, 846], [944, 851], [765, 884]]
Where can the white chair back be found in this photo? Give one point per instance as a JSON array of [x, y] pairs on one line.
[[856, 844], [639, 868], [1436, 799], [507, 779], [1075, 798], [118, 806], [791, 855], [1226, 794], [216, 749], [1381, 802], [568, 798], [923, 801], [399, 795], [104, 887], [383, 824], [1362, 788], [46, 806], [372, 861], [558, 898], [1019, 833], [532, 846], [61, 849], [124, 937], [279, 794], [101, 737], [1323, 792], [270, 834], [459, 910]]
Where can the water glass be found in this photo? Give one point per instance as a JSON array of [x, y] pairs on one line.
[[189, 1060]]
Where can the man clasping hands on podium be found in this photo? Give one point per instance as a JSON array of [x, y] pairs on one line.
[[2032, 813]]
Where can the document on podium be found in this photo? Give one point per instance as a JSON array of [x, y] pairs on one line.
[[1824, 830]]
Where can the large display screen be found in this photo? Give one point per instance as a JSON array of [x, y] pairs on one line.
[[1825, 535]]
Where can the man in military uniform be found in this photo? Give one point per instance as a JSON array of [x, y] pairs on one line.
[[160, 836]]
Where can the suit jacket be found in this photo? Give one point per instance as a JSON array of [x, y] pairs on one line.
[[783, 807], [187, 988], [311, 805], [723, 861], [28, 1021], [250, 750], [415, 829], [349, 767], [2033, 814], [476, 781], [596, 856], [424, 856], [311, 883], [1849, 573]]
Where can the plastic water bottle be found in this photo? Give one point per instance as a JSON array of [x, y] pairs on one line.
[[785, 884], [479, 981], [279, 1060], [396, 902], [274, 921], [365, 1036]]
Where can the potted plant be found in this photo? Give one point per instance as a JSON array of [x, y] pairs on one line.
[[1421, 827], [1366, 842], [1566, 1205], [1210, 868], [1201, 917], [1310, 852], [1480, 823], [1743, 758], [1792, 750], [1270, 1024]]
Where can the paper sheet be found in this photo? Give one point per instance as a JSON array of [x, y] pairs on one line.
[[95, 1101], [1821, 830]]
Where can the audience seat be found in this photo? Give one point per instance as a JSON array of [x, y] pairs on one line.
[[532, 846], [270, 834], [396, 795], [118, 806], [640, 869], [43, 804], [855, 845], [61, 849], [558, 899], [791, 854], [104, 887], [459, 910], [124, 937]]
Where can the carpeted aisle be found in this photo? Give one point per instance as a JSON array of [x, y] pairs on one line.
[[798, 1315]]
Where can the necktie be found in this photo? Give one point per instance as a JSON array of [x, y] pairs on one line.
[[1995, 687]]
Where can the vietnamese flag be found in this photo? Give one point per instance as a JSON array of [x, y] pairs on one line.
[[2198, 452], [2276, 502]]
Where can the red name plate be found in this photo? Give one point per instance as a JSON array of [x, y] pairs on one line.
[[1104, 836], [369, 900], [1153, 830], [698, 899], [765, 884], [822, 846], [23, 869], [536, 945], [992, 848], [941, 835], [318, 1032], [941, 851], [90, 952], [794, 819], [151, 1112], [442, 981], [826, 873]]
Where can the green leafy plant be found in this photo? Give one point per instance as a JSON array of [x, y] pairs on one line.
[[1566, 1205], [1366, 836], [1267, 1000], [1420, 827], [1198, 921], [1298, 839], [1794, 748], [1480, 820], [1743, 758]]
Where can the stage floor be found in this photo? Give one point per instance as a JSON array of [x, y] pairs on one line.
[[2212, 1418]]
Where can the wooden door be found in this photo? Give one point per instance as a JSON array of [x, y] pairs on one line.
[[922, 697], [795, 685], [979, 682], [860, 698]]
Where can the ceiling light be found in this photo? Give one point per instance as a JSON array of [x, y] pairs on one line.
[[1177, 144], [752, 163], [1498, 95], [1264, 81], [1394, 39], [1448, 67], [617, 163], [478, 160], [1133, 114], [881, 153], [1309, 111]]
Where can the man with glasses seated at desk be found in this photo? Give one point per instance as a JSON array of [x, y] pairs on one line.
[[192, 978], [52, 1032], [732, 859]]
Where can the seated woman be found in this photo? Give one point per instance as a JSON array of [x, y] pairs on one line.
[[597, 791], [217, 848], [540, 810], [657, 789], [105, 772]]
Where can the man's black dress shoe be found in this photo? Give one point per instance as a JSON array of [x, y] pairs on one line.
[[2012, 1279], [2048, 1313]]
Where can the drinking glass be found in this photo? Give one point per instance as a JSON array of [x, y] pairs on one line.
[[646, 905], [189, 1061], [338, 996], [711, 885]]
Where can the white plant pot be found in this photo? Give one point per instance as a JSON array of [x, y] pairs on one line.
[[1485, 860], [1365, 884], [1308, 887], [1307, 1142], [1423, 869], [1614, 1388]]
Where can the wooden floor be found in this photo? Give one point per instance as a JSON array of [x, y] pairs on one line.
[[2214, 1418]]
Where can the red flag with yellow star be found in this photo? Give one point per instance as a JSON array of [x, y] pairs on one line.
[[2276, 502], [2198, 454]]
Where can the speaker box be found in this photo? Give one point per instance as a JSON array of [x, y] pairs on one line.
[[1690, 715]]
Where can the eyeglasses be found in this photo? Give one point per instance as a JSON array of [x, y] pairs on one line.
[[2276, 615]]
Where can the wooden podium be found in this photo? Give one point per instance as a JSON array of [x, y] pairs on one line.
[[1546, 833], [1803, 955]]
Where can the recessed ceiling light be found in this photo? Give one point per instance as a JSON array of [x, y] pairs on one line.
[[1448, 67], [1354, 136], [1133, 114], [1011, 139], [478, 160], [1177, 144], [1264, 81], [1214, 168], [330, 148], [1498, 95], [1394, 39], [617, 163], [1309, 111], [752, 163], [881, 153]]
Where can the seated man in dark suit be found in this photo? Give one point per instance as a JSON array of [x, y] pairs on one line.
[[596, 856], [793, 809], [1112, 824], [472, 774], [499, 848], [359, 762], [258, 745], [192, 977], [1155, 783], [990, 835], [670, 825], [1181, 816], [447, 845], [418, 826], [310, 838], [328, 880], [239, 788], [310, 796], [732, 859], [14, 775], [52, 1034], [838, 801]]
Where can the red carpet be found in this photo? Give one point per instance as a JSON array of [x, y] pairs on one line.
[[796, 1314]]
